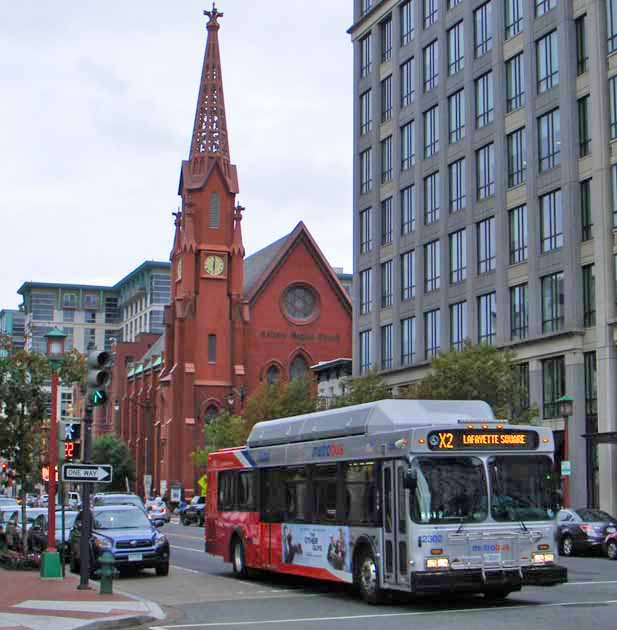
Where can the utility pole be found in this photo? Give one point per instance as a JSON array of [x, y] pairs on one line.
[[86, 513]]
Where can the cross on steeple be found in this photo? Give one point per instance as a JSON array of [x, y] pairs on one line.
[[210, 128], [213, 15]]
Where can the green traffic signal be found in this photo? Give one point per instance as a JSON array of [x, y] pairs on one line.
[[99, 397]]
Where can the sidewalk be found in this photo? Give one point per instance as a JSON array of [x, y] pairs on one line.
[[29, 603]]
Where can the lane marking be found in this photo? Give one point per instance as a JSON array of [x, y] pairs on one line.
[[175, 566], [593, 582], [379, 616], [199, 538], [187, 548]]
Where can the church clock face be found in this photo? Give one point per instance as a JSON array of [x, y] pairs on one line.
[[214, 265]]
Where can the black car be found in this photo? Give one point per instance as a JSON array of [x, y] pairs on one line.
[[583, 529], [128, 534], [195, 512], [37, 534]]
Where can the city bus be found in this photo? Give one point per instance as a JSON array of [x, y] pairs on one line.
[[419, 496]]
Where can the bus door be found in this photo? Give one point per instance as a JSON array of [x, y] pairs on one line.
[[395, 508]]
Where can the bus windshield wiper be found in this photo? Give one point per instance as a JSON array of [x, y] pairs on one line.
[[460, 526], [525, 528]]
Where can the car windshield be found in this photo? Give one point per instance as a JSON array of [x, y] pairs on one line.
[[522, 488], [195, 500], [119, 500], [120, 519], [449, 489], [69, 519], [594, 516]]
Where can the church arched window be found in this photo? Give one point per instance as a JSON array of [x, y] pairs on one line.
[[211, 412], [273, 375], [298, 368], [214, 218]]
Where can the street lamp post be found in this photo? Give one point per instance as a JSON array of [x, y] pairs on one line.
[[566, 409], [50, 560]]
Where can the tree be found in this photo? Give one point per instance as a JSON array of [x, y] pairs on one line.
[[109, 449], [479, 372], [280, 400], [222, 431], [363, 389], [23, 402]]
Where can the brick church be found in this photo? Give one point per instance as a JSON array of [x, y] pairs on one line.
[[234, 322]]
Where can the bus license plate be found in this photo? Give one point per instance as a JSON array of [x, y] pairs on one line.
[[493, 558], [136, 557]]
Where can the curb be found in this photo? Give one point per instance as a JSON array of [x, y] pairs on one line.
[[123, 622]]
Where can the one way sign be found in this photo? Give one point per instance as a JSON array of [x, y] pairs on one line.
[[88, 473]]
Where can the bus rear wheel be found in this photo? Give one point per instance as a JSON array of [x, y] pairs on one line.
[[238, 562], [367, 578]]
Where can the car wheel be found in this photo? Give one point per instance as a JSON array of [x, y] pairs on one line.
[[162, 569], [238, 559], [567, 546], [367, 579], [611, 550]]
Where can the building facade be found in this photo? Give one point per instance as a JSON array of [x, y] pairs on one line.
[[233, 322], [475, 217], [12, 324]]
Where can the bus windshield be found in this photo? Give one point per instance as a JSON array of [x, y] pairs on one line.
[[449, 490], [521, 488]]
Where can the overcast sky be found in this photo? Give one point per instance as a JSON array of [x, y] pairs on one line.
[[97, 108]]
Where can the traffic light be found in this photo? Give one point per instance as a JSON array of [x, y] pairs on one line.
[[99, 375], [69, 440]]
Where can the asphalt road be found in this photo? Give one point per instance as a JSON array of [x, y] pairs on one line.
[[202, 593]]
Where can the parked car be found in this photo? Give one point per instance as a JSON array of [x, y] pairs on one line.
[[117, 498], [128, 534], [610, 546], [37, 534], [583, 529], [157, 510], [73, 500], [14, 525], [10, 501], [195, 512], [6, 512]]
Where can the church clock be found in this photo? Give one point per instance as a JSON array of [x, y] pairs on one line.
[[214, 265]]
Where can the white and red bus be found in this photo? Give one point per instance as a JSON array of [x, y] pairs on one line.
[[415, 496]]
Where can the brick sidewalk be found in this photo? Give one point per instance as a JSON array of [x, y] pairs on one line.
[[29, 603]]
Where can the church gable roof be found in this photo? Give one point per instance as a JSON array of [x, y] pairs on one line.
[[259, 267], [256, 264]]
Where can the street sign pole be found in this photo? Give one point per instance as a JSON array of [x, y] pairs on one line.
[[86, 519]]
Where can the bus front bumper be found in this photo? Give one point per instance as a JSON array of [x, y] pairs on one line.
[[473, 580]]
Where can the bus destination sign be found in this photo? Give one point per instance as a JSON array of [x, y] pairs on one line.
[[482, 439]]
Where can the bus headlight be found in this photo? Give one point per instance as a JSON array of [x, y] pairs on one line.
[[437, 563], [543, 558]]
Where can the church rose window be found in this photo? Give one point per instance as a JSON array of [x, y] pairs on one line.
[[300, 302]]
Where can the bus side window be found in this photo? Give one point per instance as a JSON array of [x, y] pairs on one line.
[[361, 493], [296, 487], [324, 488], [226, 498], [272, 495], [246, 485]]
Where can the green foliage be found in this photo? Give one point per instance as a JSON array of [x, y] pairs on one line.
[[23, 402], [280, 400], [109, 449], [222, 431], [479, 372], [363, 389], [73, 368]]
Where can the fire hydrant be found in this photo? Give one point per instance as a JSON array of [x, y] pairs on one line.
[[107, 573]]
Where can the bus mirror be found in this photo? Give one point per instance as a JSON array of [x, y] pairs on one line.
[[410, 480]]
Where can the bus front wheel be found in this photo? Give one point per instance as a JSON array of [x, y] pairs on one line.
[[367, 578], [238, 559]]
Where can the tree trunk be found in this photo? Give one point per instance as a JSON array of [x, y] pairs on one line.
[[24, 520]]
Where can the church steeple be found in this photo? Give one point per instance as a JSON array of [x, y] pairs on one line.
[[210, 128]]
